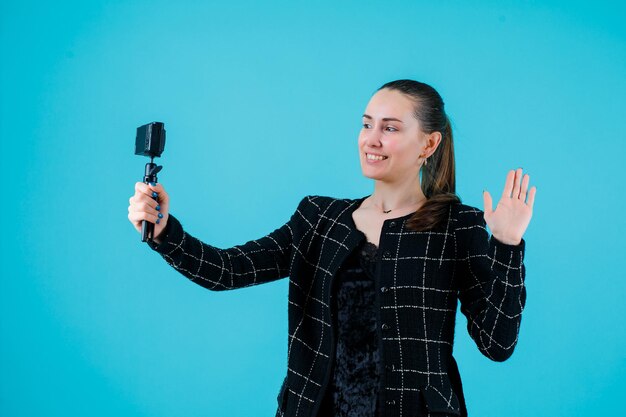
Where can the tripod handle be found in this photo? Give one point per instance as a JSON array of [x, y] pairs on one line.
[[147, 228]]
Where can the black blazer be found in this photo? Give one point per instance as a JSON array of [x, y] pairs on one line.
[[422, 274]]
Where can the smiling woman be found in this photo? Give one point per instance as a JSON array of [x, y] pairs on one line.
[[405, 125], [374, 281]]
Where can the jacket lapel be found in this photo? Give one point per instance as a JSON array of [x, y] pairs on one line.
[[343, 233]]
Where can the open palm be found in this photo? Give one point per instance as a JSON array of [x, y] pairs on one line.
[[509, 220]]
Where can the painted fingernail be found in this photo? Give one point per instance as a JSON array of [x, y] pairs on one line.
[[154, 193], [158, 207], [160, 215], [158, 221]]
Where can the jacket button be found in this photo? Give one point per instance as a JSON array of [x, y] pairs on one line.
[[390, 402], [384, 289], [386, 254], [385, 326], [392, 224]]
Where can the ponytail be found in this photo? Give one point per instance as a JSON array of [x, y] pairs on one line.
[[438, 184]]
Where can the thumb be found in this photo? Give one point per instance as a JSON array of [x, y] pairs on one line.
[[487, 202], [158, 187]]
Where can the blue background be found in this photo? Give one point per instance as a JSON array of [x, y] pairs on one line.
[[262, 104]]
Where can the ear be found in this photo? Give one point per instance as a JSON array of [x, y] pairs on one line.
[[432, 141]]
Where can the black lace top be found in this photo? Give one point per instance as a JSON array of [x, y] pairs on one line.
[[354, 384]]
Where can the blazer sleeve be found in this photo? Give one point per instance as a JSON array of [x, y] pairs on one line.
[[491, 278], [255, 262]]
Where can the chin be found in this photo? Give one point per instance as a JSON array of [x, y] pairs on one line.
[[372, 176]]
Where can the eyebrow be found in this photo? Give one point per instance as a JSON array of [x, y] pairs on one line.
[[385, 119]]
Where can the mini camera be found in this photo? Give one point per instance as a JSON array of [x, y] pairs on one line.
[[150, 139]]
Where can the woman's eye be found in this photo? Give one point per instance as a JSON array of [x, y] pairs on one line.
[[388, 128]]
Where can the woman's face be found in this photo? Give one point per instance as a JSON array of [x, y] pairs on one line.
[[390, 129]]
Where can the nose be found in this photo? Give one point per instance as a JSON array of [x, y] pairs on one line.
[[371, 138]]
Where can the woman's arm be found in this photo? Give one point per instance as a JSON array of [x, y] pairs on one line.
[[490, 276], [255, 262], [491, 268]]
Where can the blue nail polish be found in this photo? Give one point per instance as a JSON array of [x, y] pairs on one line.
[[154, 194], [158, 207], [153, 183], [158, 221], [160, 215]]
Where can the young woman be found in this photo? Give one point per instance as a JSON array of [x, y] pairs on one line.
[[374, 282]]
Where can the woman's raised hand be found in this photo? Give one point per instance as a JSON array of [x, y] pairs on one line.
[[509, 220], [144, 207]]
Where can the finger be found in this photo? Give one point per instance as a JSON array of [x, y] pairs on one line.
[[531, 196], [148, 205], [148, 189], [508, 184], [162, 196], [487, 201], [524, 190], [140, 198], [158, 187], [517, 183], [138, 216], [143, 188]]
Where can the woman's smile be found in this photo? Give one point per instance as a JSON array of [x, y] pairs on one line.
[[374, 158]]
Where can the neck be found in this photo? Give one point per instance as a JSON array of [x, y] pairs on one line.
[[397, 195]]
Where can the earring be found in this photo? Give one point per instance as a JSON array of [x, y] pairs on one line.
[[425, 160]]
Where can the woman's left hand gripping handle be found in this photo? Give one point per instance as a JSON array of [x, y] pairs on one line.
[[150, 203]]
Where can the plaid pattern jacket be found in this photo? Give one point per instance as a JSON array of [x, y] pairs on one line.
[[421, 277]]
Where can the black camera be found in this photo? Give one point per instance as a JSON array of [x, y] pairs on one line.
[[150, 139]]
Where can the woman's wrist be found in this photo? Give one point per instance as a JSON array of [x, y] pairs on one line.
[[158, 239], [507, 241]]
